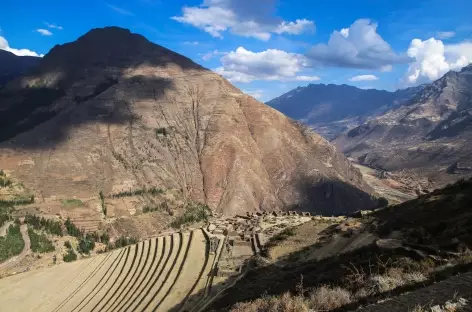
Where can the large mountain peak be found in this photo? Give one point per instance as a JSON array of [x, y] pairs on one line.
[[110, 48], [115, 112]]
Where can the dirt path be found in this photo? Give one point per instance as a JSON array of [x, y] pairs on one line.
[[3, 229], [14, 260], [454, 287]]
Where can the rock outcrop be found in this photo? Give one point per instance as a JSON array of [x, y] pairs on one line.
[[113, 111]]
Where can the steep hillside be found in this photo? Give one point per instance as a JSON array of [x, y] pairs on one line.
[[431, 134], [12, 66], [113, 112], [341, 264], [332, 109]]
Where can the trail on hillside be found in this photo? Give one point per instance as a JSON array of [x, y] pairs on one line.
[[14, 260]]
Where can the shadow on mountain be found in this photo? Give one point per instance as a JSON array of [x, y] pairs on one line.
[[84, 81], [331, 197], [36, 118]]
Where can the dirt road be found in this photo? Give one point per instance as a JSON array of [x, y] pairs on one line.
[[14, 260]]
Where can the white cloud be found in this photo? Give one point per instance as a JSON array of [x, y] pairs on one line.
[[120, 10], [295, 28], [53, 26], [44, 32], [432, 59], [445, 34], [364, 78], [245, 18], [257, 94], [209, 55], [20, 52], [386, 68], [246, 66], [359, 46]]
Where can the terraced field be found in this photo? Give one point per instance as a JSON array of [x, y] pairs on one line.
[[172, 272]]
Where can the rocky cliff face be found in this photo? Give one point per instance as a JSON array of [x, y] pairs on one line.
[[113, 111], [430, 134], [332, 109], [12, 66]]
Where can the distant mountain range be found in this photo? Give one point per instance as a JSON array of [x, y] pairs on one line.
[[431, 134], [332, 109], [12, 66]]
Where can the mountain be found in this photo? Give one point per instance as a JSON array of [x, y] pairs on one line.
[[430, 134], [114, 112], [12, 66], [332, 109]]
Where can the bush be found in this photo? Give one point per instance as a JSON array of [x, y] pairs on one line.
[[48, 225], [72, 229], [122, 242], [4, 182], [161, 131], [39, 242], [138, 192], [163, 206], [194, 212], [67, 244], [18, 201], [4, 218], [86, 244], [70, 256], [102, 202], [12, 244]]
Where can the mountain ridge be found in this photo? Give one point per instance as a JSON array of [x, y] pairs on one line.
[[12, 66], [332, 109], [429, 133], [137, 115]]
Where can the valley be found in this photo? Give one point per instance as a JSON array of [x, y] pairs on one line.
[[134, 179]]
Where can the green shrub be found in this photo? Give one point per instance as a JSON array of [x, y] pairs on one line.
[[161, 131], [48, 225], [122, 242], [12, 244], [194, 212], [72, 229], [39, 242], [138, 192], [86, 244], [161, 207], [67, 244], [102, 202], [4, 218], [70, 256], [4, 182], [17, 201]]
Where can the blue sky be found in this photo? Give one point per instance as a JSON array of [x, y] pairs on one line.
[[268, 47]]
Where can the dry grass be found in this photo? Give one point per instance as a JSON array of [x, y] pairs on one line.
[[354, 286], [324, 298]]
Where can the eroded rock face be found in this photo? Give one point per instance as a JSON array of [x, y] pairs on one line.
[[430, 135], [113, 111]]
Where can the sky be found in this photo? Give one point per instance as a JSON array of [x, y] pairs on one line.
[[268, 47]]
